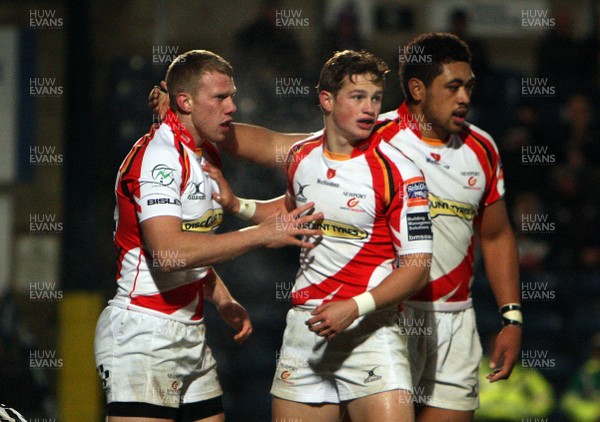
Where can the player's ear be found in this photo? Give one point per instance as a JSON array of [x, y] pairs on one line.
[[326, 99], [184, 102], [416, 88]]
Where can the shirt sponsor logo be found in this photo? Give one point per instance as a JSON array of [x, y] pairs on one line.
[[472, 183], [419, 226], [164, 201], [436, 162], [328, 183], [352, 202], [197, 192], [440, 206], [300, 194], [163, 174], [209, 221], [417, 193], [355, 195], [340, 230]]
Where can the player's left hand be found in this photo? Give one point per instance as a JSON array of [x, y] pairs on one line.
[[331, 318], [506, 352], [158, 100], [236, 316], [226, 198]]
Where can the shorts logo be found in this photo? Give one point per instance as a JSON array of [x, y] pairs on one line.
[[473, 392], [104, 375], [284, 375], [371, 375]]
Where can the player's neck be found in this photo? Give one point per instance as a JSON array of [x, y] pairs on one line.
[[339, 144], [427, 129], [186, 121]]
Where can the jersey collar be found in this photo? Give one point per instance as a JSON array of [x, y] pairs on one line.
[[179, 130], [364, 146], [407, 121]]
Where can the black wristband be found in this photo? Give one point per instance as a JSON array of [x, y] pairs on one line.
[[511, 307], [506, 321]]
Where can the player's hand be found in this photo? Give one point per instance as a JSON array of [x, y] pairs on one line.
[[506, 352], [226, 198], [236, 316], [158, 100], [331, 318], [282, 229]]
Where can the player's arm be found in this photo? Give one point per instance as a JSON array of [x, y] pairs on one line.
[[253, 210], [331, 318], [500, 255], [260, 145], [409, 222], [163, 236], [229, 309], [253, 143]]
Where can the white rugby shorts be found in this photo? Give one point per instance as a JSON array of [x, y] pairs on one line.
[[369, 357], [148, 359], [445, 352]]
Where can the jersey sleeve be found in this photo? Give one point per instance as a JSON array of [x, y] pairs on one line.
[[408, 217], [158, 184], [489, 156], [495, 188]]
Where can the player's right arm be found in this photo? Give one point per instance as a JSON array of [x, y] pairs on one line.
[[164, 234], [254, 143]]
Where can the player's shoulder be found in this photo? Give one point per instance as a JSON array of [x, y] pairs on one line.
[[159, 145], [473, 133], [398, 160], [307, 144], [388, 116]]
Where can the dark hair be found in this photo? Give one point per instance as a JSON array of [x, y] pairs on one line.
[[185, 72], [350, 63], [425, 55]]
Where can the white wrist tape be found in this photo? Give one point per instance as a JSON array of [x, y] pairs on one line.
[[365, 303], [514, 315], [247, 209]]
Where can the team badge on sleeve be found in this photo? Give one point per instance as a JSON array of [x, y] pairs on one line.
[[416, 191], [419, 226]]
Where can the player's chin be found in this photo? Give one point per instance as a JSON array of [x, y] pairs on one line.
[[219, 136], [361, 133], [454, 128]]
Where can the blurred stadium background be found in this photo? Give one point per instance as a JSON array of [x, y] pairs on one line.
[[74, 79]]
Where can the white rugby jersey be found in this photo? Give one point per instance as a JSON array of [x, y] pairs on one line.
[[162, 176], [375, 207], [463, 175]]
